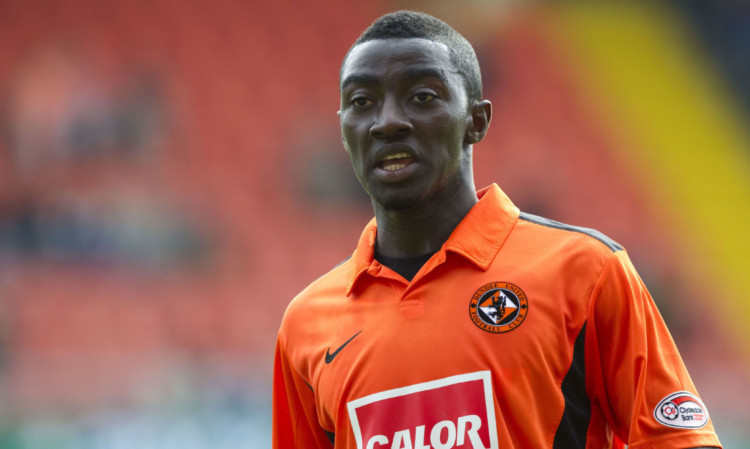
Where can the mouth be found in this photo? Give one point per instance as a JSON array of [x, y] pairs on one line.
[[396, 166], [395, 162]]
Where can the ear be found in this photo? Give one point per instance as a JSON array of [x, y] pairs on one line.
[[481, 114]]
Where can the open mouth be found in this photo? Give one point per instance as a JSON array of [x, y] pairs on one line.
[[395, 162]]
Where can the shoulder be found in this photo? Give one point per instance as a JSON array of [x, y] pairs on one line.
[[321, 294], [570, 232], [558, 248], [332, 282], [310, 317]]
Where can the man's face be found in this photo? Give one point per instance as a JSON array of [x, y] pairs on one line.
[[404, 117]]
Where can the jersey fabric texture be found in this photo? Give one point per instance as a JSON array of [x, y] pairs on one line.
[[520, 332]]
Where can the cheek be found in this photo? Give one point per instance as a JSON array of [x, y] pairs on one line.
[[352, 144], [352, 131], [453, 129]]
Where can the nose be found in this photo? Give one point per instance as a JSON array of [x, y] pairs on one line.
[[392, 121]]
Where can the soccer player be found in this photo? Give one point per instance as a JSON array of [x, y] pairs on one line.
[[459, 321]]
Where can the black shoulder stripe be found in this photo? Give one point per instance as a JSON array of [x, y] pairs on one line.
[[342, 262], [611, 244]]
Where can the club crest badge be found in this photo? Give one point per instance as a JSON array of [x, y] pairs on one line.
[[498, 307]]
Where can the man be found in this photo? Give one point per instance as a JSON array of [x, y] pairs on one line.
[[459, 321]]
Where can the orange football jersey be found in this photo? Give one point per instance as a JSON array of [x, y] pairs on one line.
[[521, 332]]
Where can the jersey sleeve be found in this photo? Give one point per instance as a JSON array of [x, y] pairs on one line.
[[295, 423], [635, 374]]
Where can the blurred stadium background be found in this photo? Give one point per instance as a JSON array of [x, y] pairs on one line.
[[171, 174]]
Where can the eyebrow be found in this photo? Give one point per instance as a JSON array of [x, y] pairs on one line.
[[359, 78], [407, 75]]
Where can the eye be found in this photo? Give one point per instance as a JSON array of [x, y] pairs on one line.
[[360, 101], [423, 97]]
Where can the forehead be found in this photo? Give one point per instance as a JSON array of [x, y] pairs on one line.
[[391, 58]]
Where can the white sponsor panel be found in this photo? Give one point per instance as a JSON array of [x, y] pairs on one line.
[[454, 412], [682, 410]]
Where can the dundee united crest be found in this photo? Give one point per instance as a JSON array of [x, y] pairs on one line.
[[498, 307]]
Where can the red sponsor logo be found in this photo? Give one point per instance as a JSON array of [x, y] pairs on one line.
[[455, 412]]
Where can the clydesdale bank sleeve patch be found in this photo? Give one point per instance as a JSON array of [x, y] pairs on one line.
[[682, 410], [454, 412]]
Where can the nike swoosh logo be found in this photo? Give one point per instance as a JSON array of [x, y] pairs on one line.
[[330, 356]]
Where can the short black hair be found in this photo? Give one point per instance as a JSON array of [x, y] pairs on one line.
[[411, 24]]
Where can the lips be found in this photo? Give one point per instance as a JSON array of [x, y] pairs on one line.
[[395, 162]]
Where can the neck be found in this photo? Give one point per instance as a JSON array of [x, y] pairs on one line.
[[423, 229]]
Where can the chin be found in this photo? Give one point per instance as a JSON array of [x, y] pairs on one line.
[[400, 202]]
